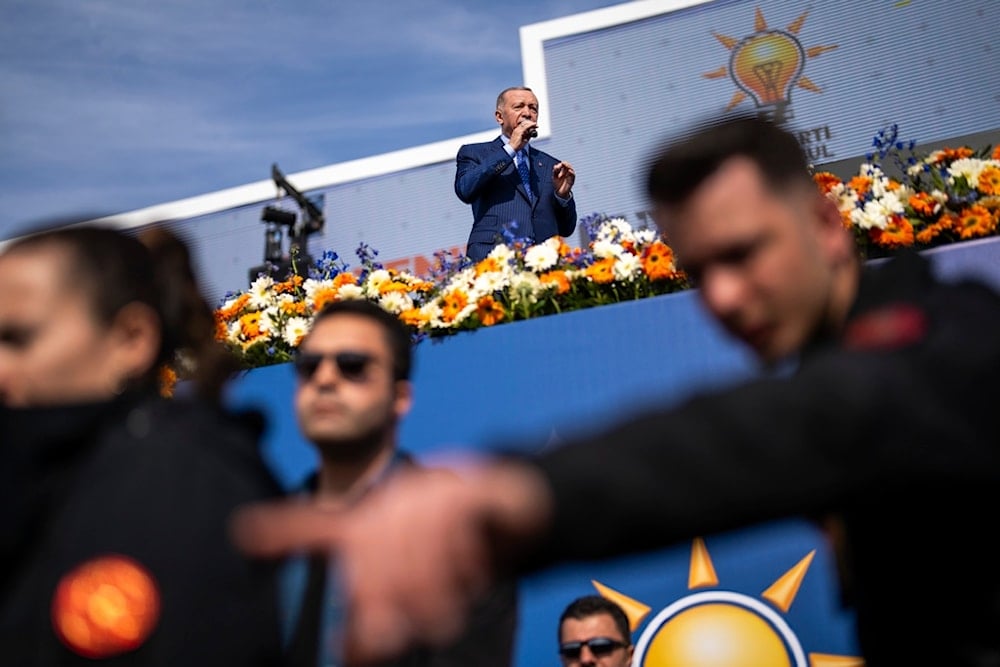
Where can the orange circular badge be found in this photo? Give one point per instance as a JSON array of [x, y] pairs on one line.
[[106, 606]]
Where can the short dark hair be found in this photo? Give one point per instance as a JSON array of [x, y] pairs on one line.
[[681, 167], [503, 93], [591, 605], [397, 334]]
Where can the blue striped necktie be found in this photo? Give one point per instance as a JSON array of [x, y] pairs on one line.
[[524, 169]]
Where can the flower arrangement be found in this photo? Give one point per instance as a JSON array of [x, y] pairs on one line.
[[919, 201], [264, 324], [897, 199], [517, 281]]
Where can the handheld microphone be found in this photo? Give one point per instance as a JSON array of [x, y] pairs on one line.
[[532, 133]]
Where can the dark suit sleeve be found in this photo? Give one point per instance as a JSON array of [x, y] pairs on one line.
[[565, 216], [475, 170]]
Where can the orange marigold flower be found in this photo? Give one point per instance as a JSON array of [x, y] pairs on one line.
[[658, 261], [393, 286], [950, 154], [324, 296], [976, 221], [629, 245], [167, 380], [602, 271], [845, 219], [452, 304], [250, 325], [345, 278], [490, 311], [413, 317], [487, 265], [230, 312], [826, 181], [996, 153], [288, 285], [933, 230], [860, 184], [422, 286], [897, 233], [928, 234], [558, 278], [221, 329], [923, 204], [989, 181], [564, 248], [293, 307]]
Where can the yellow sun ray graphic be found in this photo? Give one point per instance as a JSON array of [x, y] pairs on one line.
[[767, 64], [720, 628]]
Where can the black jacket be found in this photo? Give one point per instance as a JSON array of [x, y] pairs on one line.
[[891, 424], [149, 479]]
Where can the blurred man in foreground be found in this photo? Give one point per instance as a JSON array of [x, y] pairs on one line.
[[888, 422]]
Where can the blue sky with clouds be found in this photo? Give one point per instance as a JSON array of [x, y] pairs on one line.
[[112, 105]]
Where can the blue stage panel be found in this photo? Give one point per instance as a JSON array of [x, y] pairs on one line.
[[544, 380]]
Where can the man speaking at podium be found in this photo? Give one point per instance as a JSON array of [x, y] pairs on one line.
[[506, 180]]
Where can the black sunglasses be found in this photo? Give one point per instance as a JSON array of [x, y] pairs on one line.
[[599, 646], [352, 366]]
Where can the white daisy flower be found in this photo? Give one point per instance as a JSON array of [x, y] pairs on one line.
[[614, 229], [396, 302], [874, 215], [605, 249], [350, 292], [644, 237], [295, 329], [970, 168], [542, 257], [431, 311], [260, 292], [375, 280], [846, 201], [487, 283], [233, 331], [270, 320], [310, 286], [462, 279], [627, 267], [501, 253]]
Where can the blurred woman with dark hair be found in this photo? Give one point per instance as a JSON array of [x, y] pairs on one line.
[[114, 542]]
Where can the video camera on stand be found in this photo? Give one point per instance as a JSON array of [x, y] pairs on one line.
[[277, 263]]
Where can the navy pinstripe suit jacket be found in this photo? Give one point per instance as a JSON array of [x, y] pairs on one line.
[[487, 179]]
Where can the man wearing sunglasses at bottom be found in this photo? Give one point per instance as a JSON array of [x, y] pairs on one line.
[[594, 631], [353, 389]]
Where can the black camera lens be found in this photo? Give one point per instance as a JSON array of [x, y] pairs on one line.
[[277, 215]]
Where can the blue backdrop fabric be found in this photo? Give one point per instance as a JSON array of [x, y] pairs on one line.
[[541, 381]]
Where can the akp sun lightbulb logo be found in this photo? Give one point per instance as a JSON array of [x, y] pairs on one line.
[[714, 627], [766, 65]]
